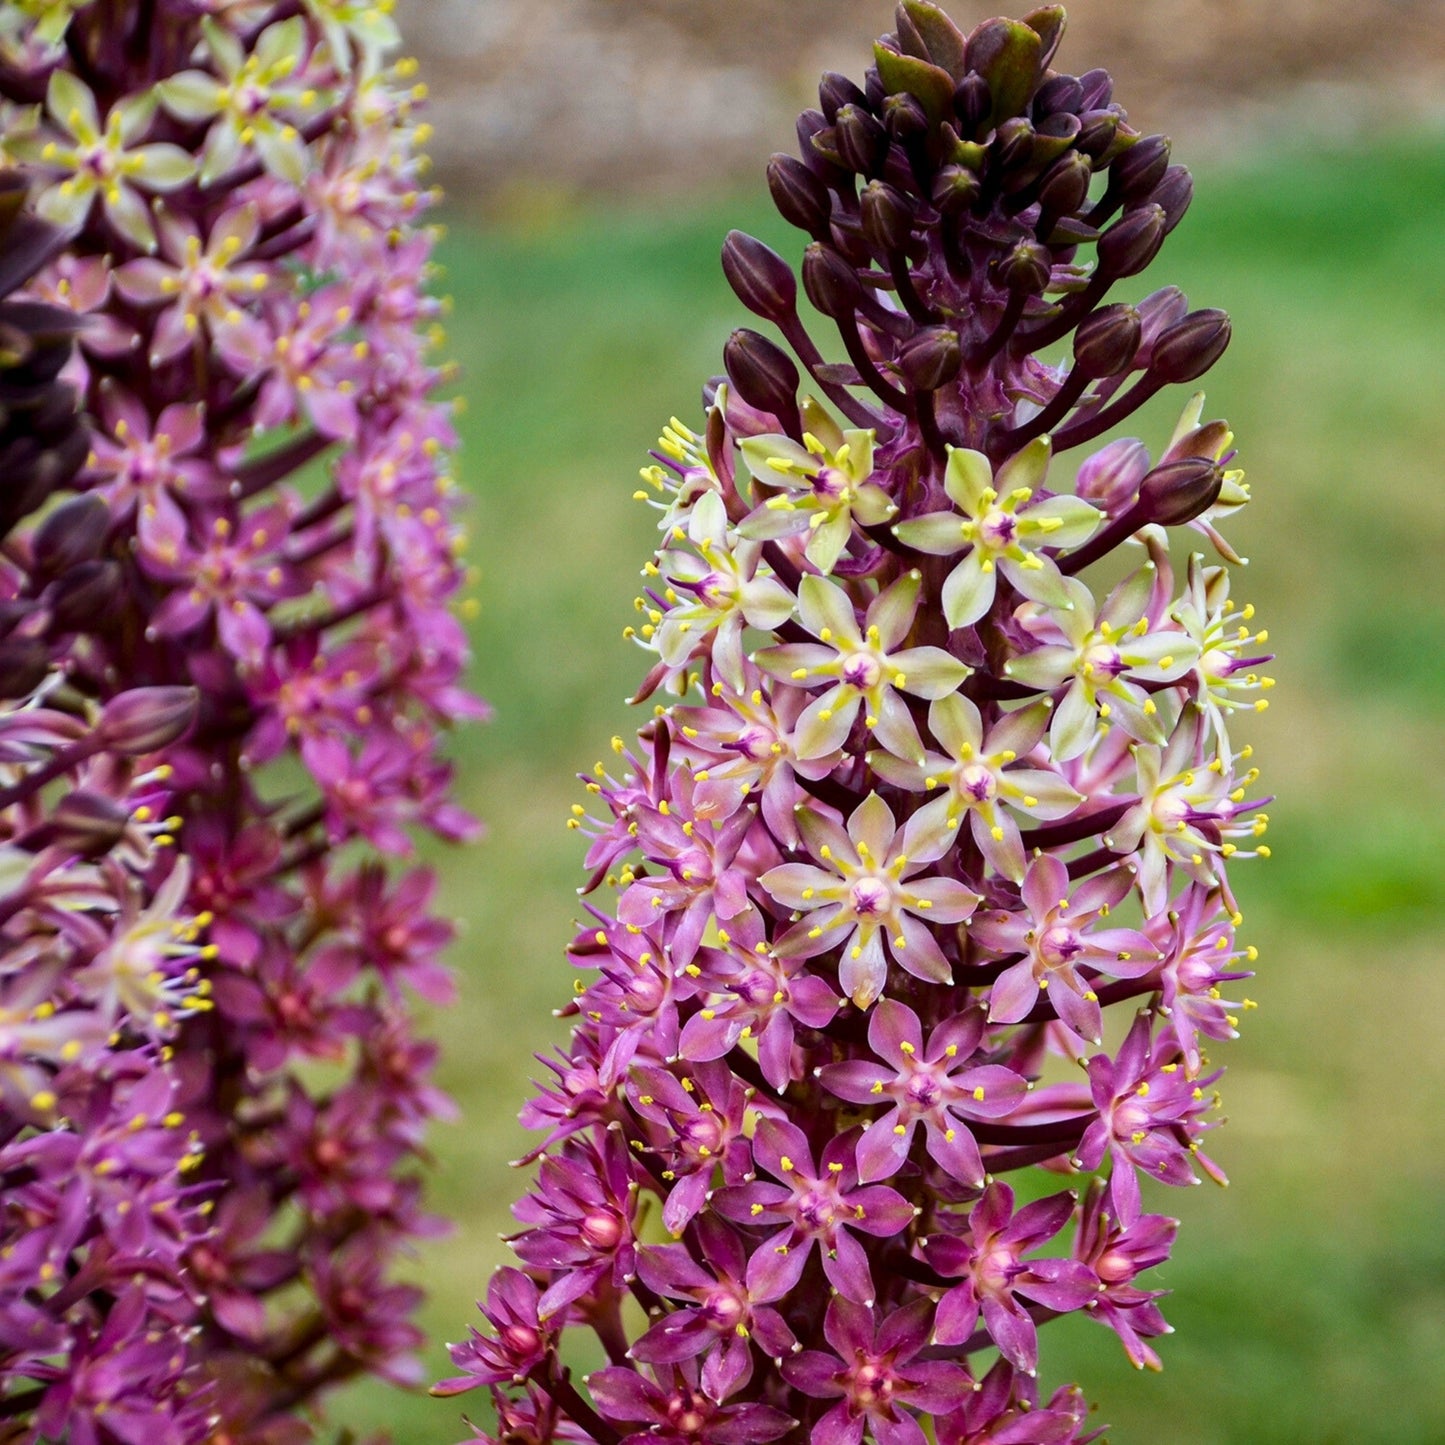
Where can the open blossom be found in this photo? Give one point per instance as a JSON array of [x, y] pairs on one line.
[[226, 667], [927, 800]]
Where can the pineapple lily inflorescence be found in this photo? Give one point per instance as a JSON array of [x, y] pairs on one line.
[[934, 820], [228, 661]]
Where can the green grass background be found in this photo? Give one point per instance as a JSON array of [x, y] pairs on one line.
[[1310, 1296]]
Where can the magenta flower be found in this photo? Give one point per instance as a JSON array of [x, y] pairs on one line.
[[920, 798]]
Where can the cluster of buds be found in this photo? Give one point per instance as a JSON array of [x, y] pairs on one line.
[[228, 661], [920, 881]]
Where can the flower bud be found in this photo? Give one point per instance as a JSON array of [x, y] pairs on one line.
[[84, 598], [147, 718], [761, 373], [1179, 491], [1140, 168], [887, 220], [1013, 144], [1132, 242], [73, 533], [862, 142], [955, 188], [763, 281], [1105, 343], [971, 102], [1111, 478], [904, 116], [1059, 95], [1065, 186], [801, 198], [1097, 89], [1026, 268], [1174, 193], [831, 283], [835, 91], [931, 359], [1190, 347], [1097, 129]]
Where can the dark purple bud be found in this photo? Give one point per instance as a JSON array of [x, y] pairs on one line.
[[1013, 144], [1160, 310], [764, 282], [73, 533], [761, 373], [887, 219], [955, 189], [1132, 242], [1066, 185], [862, 142], [904, 116], [82, 824], [1097, 87], [831, 284], [835, 91], [1105, 343], [85, 598], [819, 155], [24, 665], [801, 198], [1140, 168], [972, 102], [1026, 268], [944, 43], [1190, 347], [1174, 193], [1097, 129], [931, 359], [147, 718], [1059, 94], [1179, 491]]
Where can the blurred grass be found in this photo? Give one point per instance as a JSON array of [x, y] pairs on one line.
[[1310, 1301]]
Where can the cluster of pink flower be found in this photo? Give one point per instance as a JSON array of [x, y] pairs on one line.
[[930, 811], [233, 654]]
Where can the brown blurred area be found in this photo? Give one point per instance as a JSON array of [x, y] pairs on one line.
[[630, 96]]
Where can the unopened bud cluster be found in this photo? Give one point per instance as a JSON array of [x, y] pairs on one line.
[[918, 880], [227, 659]]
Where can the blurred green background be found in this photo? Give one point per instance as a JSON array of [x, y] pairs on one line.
[[1310, 1296]]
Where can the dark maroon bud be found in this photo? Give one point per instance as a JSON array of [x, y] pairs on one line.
[[73, 533], [1132, 242], [835, 91], [1106, 342], [846, 234], [147, 718], [931, 358], [831, 284], [955, 189], [762, 373], [819, 155], [1065, 187], [801, 198], [1179, 491], [887, 219], [24, 665], [86, 825], [1097, 129], [1162, 309], [1059, 94], [1097, 89], [1055, 133], [862, 142], [904, 116], [1135, 173], [764, 282], [1047, 22], [972, 102], [1014, 143], [1190, 347], [874, 90], [84, 598], [1174, 193], [1026, 268]]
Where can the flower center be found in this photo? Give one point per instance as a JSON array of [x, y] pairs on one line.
[[1059, 945], [723, 1308], [923, 1091], [601, 1229], [977, 782], [862, 670], [754, 743], [815, 1210], [997, 529], [870, 897], [1103, 660], [871, 1384], [830, 484]]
